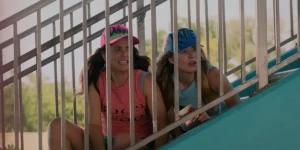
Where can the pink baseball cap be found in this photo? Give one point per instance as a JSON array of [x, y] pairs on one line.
[[117, 32]]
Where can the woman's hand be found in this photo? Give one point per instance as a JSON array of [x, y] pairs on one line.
[[188, 109]]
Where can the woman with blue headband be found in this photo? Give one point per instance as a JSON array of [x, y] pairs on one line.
[[210, 79]]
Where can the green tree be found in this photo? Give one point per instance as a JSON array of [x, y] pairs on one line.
[[29, 101]]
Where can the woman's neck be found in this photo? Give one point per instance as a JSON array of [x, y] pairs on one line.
[[119, 78], [186, 79]]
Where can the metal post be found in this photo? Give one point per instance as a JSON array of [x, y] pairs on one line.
[[108, 76], [85, 77], [242, 38], [207, 30], [176, 73], [261, 43], [90, 30], [277, 30], [2, 100], [154, 54], [73, 73], [199, 51], [131, 74], [189, 13], [221, 45], [16, 85], [39, 78], [141, 28], [291, 18], [224, 38], [55, 74], [62, 71]]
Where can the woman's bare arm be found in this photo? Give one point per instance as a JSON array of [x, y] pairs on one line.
[[95, 123], [162, 119], [214, 81]]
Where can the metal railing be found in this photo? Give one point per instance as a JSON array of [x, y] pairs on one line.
[[261, 58]]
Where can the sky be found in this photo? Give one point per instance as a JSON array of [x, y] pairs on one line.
[[10, 7]]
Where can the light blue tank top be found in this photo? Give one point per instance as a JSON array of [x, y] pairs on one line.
[[189, 96]]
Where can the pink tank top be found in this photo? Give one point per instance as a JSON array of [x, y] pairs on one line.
[[120, 107]]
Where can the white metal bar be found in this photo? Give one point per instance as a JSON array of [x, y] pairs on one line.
[[108, 76], [243, 45], [85, 76], [16, 86], [55, 73], [21, 110], [25, 12], [298, 25], [73, 73], [189, 13], [154, 54], [221, 45], [2, 102], [39, 78], [193, 114], [90, 29], [284, 63], [124, 10], [131, 73], [171, 14], [261, 43], [207, 30], [198, 47], [75, 30], [291, 17], [277, 30], [176, 73], [141, 28], [62, 71], [43, 24], [224, 38]]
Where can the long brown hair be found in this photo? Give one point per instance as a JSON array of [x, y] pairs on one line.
[[165, 71], [96, 65]]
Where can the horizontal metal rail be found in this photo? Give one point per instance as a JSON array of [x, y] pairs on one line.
[[69, 34], [252, 60], [43, 24], [24, 13], [69, 49]]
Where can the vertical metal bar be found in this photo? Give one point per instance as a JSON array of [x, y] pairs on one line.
[[16, 86], [90, 29], [2, 100], [39, 78], [154, 54], [62, 71], [124, 10], [207, 30], [171, 13], [131, 73], [21, 110], [277, 30], [189, 14], [224, 38], [141, 28], [261, 43], [86, 99], [199, 85], [108, 75], [73, 73], [221, 46], [291, 18], [298, 24], [176, 74], [55, 74], [243, 55]]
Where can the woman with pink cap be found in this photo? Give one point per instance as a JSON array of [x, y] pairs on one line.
[[119, 99]]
